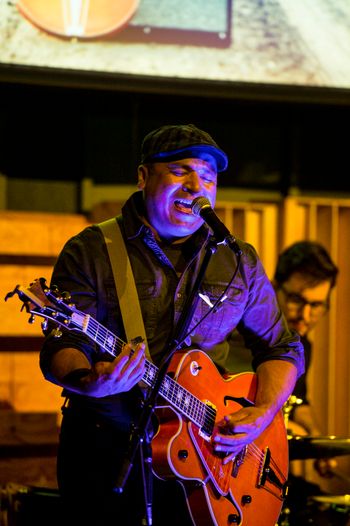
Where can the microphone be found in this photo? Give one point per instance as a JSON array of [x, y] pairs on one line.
[[201, 207]]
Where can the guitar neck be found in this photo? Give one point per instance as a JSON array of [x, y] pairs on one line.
[[180, 398]]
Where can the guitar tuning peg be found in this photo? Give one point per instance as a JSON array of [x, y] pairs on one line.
[[31, 319], [26, 306], [56, 333], [66, 296], [55, 290]]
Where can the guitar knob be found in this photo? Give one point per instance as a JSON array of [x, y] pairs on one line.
[[233, 518], [66, 296], [246, 499], [183, 454]]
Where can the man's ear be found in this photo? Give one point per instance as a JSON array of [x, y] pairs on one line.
[[142, 174]]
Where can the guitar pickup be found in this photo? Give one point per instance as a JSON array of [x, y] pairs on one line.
[[207, 429]]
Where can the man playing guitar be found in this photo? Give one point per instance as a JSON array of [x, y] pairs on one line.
[[217, 457]]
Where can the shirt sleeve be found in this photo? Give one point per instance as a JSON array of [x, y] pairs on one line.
[[263, 326], [78, 271]]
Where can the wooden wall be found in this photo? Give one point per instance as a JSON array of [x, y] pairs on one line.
[[29, 244]]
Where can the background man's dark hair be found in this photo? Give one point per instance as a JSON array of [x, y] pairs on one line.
[[308, 258]]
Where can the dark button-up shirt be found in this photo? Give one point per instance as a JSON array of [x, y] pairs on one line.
[[83, 268]]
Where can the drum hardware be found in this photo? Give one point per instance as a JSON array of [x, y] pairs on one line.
[[284, 517], [319, 510], [288, 407], [335, 507], [301, 448], [21, 505], [341, 500]]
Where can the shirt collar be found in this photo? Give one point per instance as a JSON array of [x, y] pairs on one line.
[[133, 211]]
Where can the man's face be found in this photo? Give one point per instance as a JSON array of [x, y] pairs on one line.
[[303, 304], [169, 189]]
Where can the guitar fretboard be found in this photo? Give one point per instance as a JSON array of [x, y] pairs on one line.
[[195, 410]]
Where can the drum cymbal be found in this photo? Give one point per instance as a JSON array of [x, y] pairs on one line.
[[342, 500], [301, 447]]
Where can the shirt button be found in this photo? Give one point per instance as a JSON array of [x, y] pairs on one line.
[[179, 295]]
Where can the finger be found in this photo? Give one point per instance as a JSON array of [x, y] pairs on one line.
[[229, 453], [223, 442], [126, 349], [230, 457], [131, 351], [136, 363], [129, 355], [141, 346], [119, 365]]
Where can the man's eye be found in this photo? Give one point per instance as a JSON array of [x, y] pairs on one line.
[[207, 179], [295, 299]]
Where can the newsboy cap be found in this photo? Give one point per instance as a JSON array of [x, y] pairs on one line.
[[177, 141]]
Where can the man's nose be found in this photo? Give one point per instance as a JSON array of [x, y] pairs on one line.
[[192, 182], [306, 312]]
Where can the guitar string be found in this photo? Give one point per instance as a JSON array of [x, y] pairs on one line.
[[260, 456], [258, 453]]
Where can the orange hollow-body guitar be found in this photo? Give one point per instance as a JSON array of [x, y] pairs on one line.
[[247, 491]]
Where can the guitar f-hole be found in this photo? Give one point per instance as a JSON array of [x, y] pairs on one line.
[[241, 400]]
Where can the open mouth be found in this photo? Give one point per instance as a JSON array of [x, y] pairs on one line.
[[183, 206]]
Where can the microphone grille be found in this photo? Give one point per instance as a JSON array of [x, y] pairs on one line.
[[198, 204]]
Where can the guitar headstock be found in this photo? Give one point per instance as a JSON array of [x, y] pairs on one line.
[[48, 303]]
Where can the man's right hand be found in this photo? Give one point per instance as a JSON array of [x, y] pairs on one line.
[[71, 369], [108, 378]]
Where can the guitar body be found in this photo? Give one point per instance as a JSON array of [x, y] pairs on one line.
[[82, 19], [217, 494]]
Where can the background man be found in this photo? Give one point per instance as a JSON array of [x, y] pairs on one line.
[[303, 280]]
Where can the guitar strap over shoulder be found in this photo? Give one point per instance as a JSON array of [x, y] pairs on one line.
[[124, 281]]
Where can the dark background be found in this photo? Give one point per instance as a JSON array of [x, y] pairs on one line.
[[69, 127]]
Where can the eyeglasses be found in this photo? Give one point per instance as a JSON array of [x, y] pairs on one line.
[[296, 301]]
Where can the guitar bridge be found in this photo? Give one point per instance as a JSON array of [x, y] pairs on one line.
[[269, 475]]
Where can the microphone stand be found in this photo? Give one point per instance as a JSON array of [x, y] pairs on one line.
[[139, 431]]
